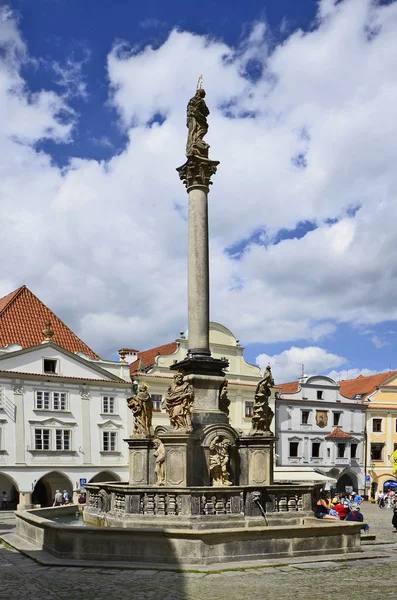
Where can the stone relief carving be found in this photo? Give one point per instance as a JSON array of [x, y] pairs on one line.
[[262, 413], [141, 407], [17, 388], [85, 394], [224, 401], [219, 459], [178, 403], [159, 453]]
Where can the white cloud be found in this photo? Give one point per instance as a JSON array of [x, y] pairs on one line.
[[353, 373], [104, 244], [287, 366]]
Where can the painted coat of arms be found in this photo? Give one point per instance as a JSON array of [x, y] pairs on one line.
[[322, 418]]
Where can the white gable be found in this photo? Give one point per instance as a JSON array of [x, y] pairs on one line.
[[67, 365]]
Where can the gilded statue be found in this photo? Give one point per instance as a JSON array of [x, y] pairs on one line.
[[141, 407], [224, 401], [159, 453], [262, 413], [178, 403], [197, 113], [219, 459]]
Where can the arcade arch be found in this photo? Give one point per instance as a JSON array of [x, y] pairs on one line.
[[104, 476], [8, 485], [46, 486]]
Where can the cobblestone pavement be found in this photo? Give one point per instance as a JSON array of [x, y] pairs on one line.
[[20, 577]]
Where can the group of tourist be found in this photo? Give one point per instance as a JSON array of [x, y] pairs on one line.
[[387, 499], [343, 507], [61, 498]]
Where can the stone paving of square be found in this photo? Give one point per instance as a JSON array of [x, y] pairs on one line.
[[22, 578]]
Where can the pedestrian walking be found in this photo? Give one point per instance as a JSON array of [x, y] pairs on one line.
[[394, 519], [58, 498], [66, 497], [381, 500], [4, 501]]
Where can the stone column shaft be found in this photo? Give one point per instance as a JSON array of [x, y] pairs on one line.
[[198, 272]]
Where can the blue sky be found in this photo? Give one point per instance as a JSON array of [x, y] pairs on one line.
[[302, 100]]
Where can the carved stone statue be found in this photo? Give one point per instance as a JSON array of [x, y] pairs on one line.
[[219, 458], [178, 403], [262, 413], [142, 408], [159, 453], [197, 113], [224, 401]]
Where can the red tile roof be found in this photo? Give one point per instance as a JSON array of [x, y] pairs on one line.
[[22, 320], [288, 388], [337, 433], [148, 356], [364, 385]]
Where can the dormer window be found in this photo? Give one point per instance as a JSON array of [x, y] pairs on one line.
[[50, 365]]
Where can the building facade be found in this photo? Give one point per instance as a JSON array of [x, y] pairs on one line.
[[379, 394], [320, 428], [63, 412]]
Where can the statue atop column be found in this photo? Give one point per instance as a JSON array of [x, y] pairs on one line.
[[262, 413], [141, 407], [219, 458], [178, 403], [198, 169], [196, 122]]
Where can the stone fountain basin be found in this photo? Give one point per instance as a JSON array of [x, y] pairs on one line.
[[181, 548]]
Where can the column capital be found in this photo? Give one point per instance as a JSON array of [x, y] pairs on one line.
[[197, 172]]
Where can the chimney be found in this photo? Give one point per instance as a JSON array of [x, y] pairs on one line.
[[128, 355]]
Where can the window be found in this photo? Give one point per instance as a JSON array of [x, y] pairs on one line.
[[156, 399], [377, 451], [341, 450], [328, 452], [394, 447], [62, 439], [249, 409], [316, 449], [396, 426], [59, 400], [109, 439], [50, 365], [305, 417], [293, 448], [51, 400], [41, 439], [337, 416], [353, 450], [109, 404], [377, 425], [319, 394]]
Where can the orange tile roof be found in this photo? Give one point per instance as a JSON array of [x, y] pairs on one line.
[[288, 388], [337, 433], [364, 385], [148, 356], [22, 320]]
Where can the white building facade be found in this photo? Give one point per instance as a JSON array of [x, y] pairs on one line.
[[317, 427], [63, 418]]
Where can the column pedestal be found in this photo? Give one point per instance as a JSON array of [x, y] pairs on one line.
[[139, 460], [256, 459], [25, 501], [181, 466]]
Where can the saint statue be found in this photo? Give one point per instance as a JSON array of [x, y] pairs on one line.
[[159, 453], [142, 408], [219, 458], [178, 403], [224, 401], [197, 113], [262, 413]]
